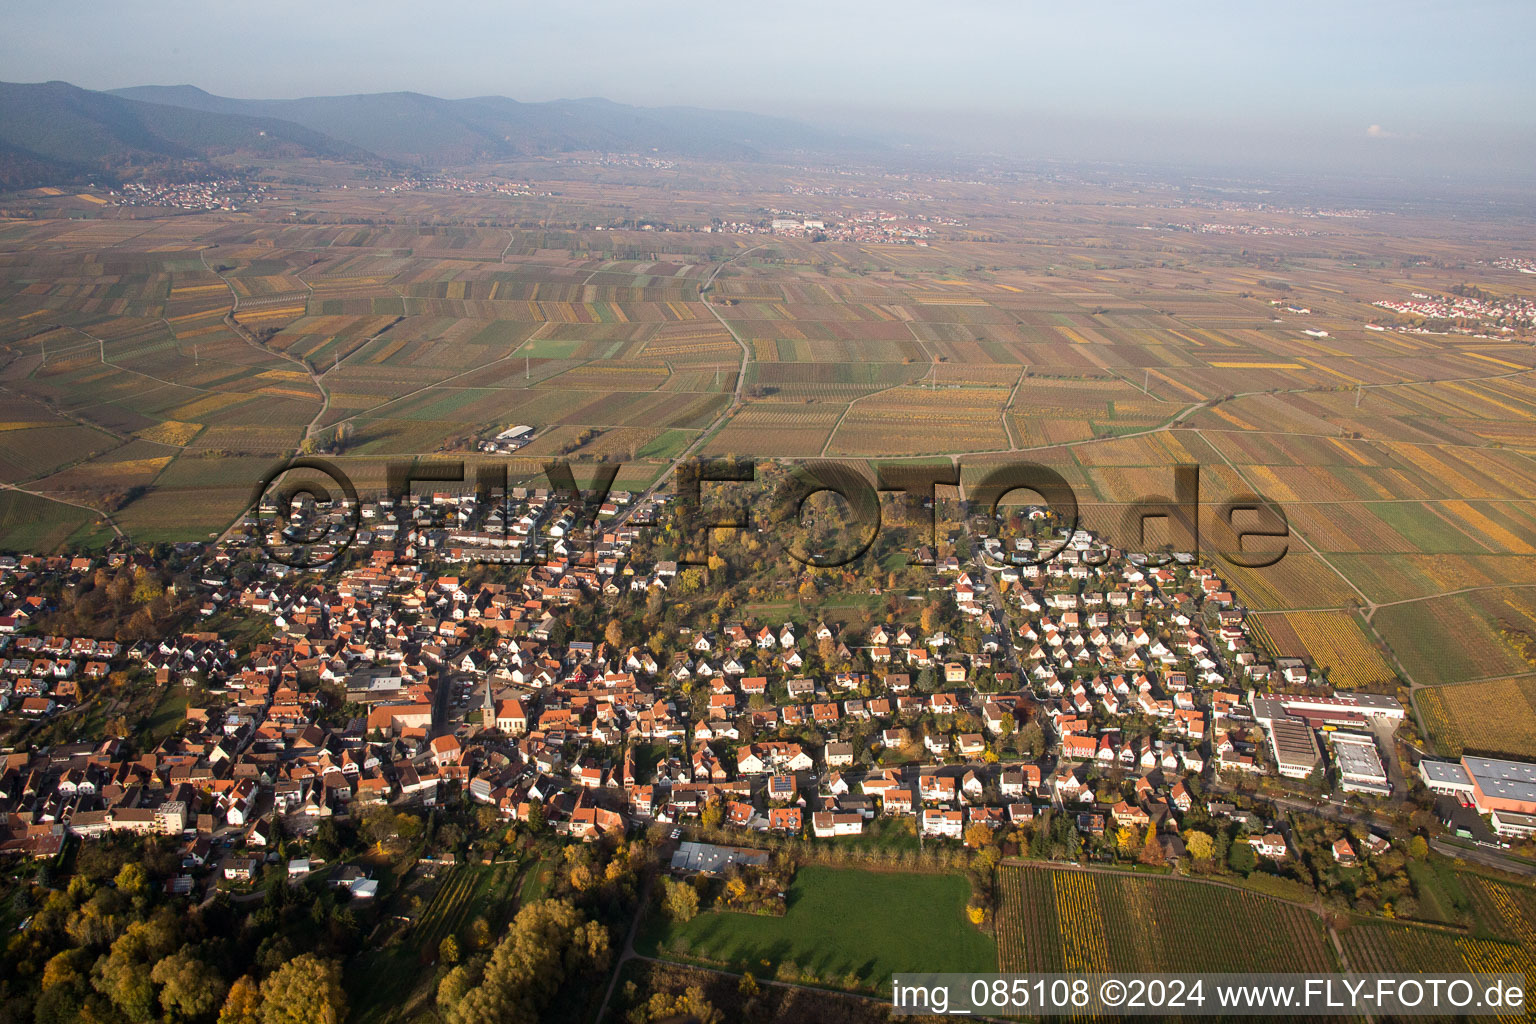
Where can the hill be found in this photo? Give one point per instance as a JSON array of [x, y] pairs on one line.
[[55, 131], [425, 130]]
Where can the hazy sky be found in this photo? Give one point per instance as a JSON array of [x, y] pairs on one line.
[[1439, 80]]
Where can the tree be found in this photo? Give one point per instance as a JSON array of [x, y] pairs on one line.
[[1152, 849], [60, 970], [243, 1003], [145, 587], [1199, 844], [1127, 841], [133, 881], [978, 835], [712, 814], [305, 990], [549, 944], [681, 900], [448, 950], [457, 983], [190, 989], [614, 634], [1031, 740], [122, 975], [380, 824], [1418, 848], [689, 1006]]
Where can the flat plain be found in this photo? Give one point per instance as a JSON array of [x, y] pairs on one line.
[[154, 363]]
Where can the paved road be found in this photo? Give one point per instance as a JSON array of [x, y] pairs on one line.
[[1484, 856], [1337, 812], [666, 475]]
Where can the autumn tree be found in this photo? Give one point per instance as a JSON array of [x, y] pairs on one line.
[[978, 835], [680, 899], [712, 814], [132, 880], [243, 1004], [190, 989], [305, 990], [1127, 840], [457, 983], [123, 974], [550, 942], [690, 1005], [1199, 844], [1152, 849], [145, 587]]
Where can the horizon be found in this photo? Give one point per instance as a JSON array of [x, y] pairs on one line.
[[1385, 89], [959, 135]]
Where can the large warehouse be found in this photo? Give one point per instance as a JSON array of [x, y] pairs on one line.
[[1294, 746], [1503, 790]]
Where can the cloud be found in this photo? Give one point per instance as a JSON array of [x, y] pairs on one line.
[[1376, 131]]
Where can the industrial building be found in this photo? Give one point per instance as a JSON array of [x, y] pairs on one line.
[[1359, 763], [1503, 790], [1294, 746], [1343, 710]]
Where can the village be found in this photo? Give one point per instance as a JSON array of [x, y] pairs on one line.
[[192, 196], [1110, 692]]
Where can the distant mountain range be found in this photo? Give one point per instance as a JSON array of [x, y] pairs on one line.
[[55, 131]]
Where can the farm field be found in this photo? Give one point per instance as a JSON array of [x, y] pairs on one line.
[[38, 524], [1385, 947], [152, 368], [387, 983], [841, 925], [1495, 717], [1483, 624], [1052, 920], [1334, 642]]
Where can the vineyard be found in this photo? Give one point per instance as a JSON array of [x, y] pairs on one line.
[[1509, 909], [1019, 339], [1336, 643], [462, 893], [1495, 717], [1061, 920], [447, 912], [1380, 947]]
